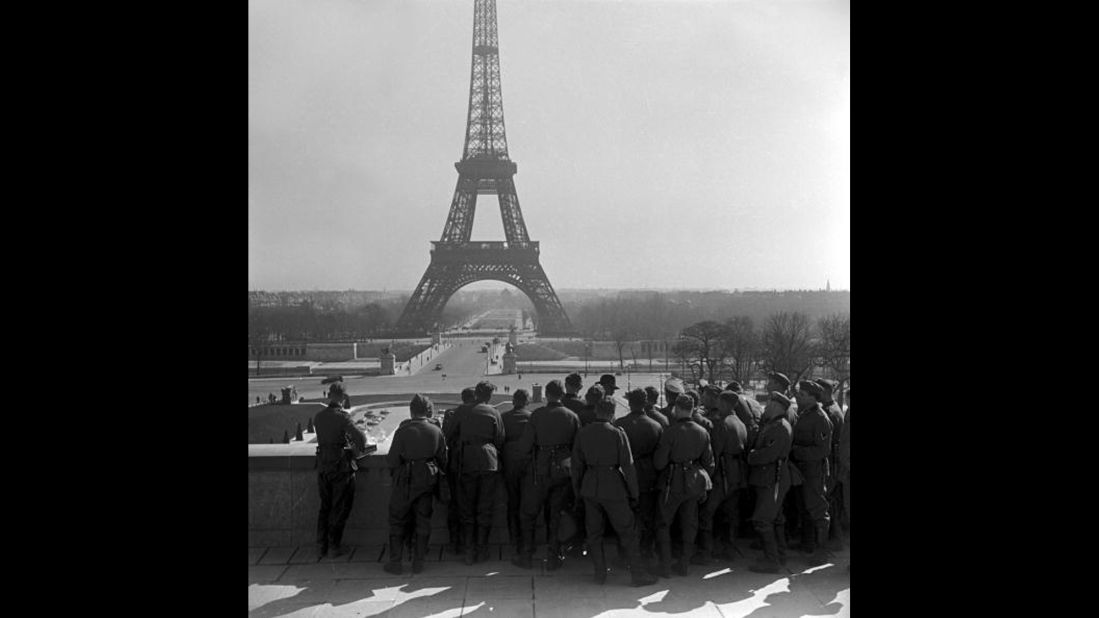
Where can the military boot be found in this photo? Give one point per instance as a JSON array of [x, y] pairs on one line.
[[705, 546], [835, 536], [598, 563], [553, 555], [418, 553], [522, 559], [808, 538], [664, 568], [482, 543], [780, 537], [768, 562], [821, 555], [638, 576], [467, 543], [396, 546]]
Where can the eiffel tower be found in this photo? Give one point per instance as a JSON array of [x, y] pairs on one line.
[[485, 169]]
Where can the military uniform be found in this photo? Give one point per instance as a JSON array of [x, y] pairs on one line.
[[810, 453], [604, 477], [573, 402], [652, 412], [835, 486], [769, 476], [686, 463], [643, 434], [844, 457], [548, 436], [453, 512], [515, 462], [479, 435], [728, 440], [335, 474], [417, 457]]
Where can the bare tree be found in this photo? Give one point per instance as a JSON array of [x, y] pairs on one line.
[[834, 347], [707, 338], [787, 345], [742, 344]]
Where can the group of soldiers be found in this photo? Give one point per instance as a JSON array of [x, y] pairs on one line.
[[672, 482]]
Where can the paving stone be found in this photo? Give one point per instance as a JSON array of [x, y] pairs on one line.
[[265, 573], [367, 553], [359, 608], [449, 589], [277, 555], [419, 608], [306, 554], [566, 587], [254, 554], [505, 607], [329, 570], [498, 587], [277, 599]]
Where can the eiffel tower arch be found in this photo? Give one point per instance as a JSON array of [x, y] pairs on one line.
[[485, 169]]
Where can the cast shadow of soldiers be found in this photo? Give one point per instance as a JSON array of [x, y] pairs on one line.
[[348, 592], [811, 592]]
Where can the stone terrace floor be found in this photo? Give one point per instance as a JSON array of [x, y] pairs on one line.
[[289, 581]]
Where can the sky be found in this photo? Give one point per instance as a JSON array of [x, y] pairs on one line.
[[663, 144]]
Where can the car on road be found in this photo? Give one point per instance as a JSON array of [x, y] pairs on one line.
[[438, 366]]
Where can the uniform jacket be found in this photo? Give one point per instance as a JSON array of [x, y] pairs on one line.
[[417, 455], [658, 416], [515, 421], [684, 449], [478, 436], [586, 414], [772, 445], [552, 425], [729, 441], [836, 416], [750, 412], [643, 434], [602, 465], [812, 442], [449, 419], [844, 452], [573, 402], [334, 427]]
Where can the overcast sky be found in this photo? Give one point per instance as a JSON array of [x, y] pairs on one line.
[[674, 144]]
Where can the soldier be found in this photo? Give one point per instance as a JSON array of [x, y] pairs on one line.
[[335, 473], [812, 447], [685, 462], [728, 439], [652, 396], [572, 400], [478, 433], [345, 403], [698, 414], [673, 387], [453, 512], [643, 434], [778, 382], [769, 476], [607, 382], [844, 457], [835, 487], [416, 458], [592, 398], [515, 462], [603, 476], [549, 436]]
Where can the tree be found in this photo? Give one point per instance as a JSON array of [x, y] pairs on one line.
[[742, 346], [787, 345], [686, 351], [834, 347], [707, 340]]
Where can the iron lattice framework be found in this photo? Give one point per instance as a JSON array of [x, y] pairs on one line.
[[485, 169]]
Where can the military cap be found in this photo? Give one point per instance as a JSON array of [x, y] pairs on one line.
[[637, 397], [606, 407], [607, 380], [826, 384], [780, 378], [595, 391], [780, 399], [684, 402], [712, 389], [811, 388], [331, 379], [735, 387], [693, 394], [574, 379], [702, 383], [420, 404], [674, 385]]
